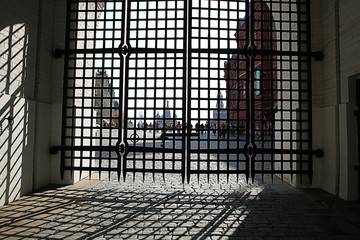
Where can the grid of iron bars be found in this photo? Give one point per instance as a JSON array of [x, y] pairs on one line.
[[188, 87]]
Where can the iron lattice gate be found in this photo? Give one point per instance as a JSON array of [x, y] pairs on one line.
[[188, 87]]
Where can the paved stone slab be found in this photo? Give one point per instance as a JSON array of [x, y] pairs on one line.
[[171, 210]]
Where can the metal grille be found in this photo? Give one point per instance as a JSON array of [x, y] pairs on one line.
[[267, 123], [155, 87], [188, 87]]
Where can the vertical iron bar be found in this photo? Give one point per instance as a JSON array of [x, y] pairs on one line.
[[165, 102], [124, 80], [228, 91], [83, 88], [145, 84], [299, 123], [282, 90], [251, 87], [186, 134], [65, 91], [239, 97], [188, 32], [248, 84], [154, 108], [260, 78], [309, 85], [273, 83], [111, 97], [208, 92], [218, 106], [293, 137], [73, 105], [101, 96]]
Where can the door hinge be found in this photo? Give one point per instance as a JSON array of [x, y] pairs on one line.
[[58, 53]]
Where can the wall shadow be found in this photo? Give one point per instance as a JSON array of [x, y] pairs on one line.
[[14, 109]]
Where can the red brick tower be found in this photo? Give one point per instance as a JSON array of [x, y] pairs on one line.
[[262, 77]]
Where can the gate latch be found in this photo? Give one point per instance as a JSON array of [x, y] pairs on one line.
[[122, 149], [250, 150], [125, 50]]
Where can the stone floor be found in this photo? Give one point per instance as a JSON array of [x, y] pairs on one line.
[[202, 209]]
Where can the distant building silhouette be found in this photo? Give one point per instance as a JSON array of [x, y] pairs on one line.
[[263, 77], [104, 97], [168, 119], [219, 114]]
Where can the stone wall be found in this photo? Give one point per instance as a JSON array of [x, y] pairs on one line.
[[349, 73], [18, 74], [334, 32]]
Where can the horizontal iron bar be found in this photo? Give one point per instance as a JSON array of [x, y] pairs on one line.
[[91, 168], [318, 152], [179, 134], [154, 170], [258, 52], [150, 149], [191, 171], [219, 151], [118, 50], [55, 149], [318, 55], [217, 171], [282, 171]]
